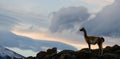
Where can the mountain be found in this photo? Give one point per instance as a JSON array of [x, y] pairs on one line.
[[6, 53], [9, 39]]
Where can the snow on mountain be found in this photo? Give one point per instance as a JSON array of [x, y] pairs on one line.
[[6, 52]]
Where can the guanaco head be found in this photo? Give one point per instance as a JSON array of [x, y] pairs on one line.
[[82, 29]]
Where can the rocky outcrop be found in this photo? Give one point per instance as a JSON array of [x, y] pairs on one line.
[[109, 53]]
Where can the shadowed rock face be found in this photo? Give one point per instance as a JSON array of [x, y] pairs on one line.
[[109, 53]]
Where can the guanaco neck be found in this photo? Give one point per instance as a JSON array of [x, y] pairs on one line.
[[85, 33]]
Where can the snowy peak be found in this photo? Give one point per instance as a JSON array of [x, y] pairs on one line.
[[5, 53]]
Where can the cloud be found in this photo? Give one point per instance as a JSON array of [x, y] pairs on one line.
[[106, 22], [24, 22], [92, 5], [72, 39], [22, 6], [9, 39], [7, 23], [27, 23], [100, 2], [68, 19]]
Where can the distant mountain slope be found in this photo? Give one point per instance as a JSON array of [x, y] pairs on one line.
[[9, 39], [5, 53]]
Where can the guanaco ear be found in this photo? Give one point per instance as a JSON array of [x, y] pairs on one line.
[[82, 29]]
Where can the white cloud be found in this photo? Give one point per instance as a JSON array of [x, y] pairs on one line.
[[99, 4], [99, 1], [92, 5], [95, 2]]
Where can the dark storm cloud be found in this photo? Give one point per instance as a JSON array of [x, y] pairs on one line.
[[106, 22], [68, 18]]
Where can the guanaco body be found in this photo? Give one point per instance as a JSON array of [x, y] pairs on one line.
[[93, 40]]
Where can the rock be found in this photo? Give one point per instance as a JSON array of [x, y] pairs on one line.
[[41, 55], [52, 51], [109, 56], [71, 52], [108, 53], [30, 57]]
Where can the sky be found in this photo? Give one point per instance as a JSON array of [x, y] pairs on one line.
[[59, 21]]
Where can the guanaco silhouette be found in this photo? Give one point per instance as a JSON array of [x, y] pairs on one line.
[[93, 40]]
